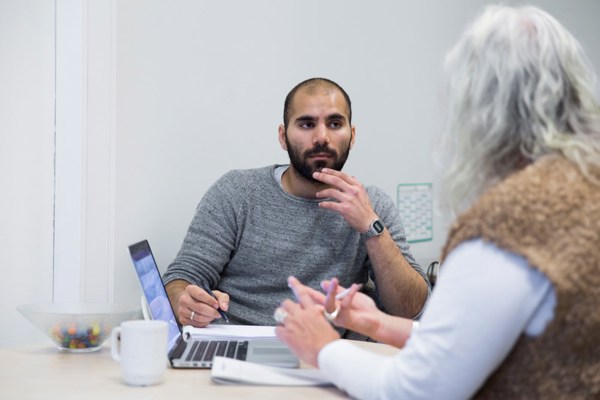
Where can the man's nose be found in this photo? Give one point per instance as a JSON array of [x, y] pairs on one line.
[[321, 134]]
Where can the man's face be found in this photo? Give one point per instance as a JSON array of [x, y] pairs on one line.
[[319, 134]]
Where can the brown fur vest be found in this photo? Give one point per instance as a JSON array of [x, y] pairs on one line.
[[549, 214]]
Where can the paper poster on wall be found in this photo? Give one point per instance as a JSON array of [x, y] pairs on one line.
[[415, 202]]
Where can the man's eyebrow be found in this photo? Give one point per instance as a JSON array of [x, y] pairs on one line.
[[305, 118], [336, 116]]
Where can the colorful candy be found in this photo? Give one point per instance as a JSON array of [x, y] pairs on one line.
[[79, 336]]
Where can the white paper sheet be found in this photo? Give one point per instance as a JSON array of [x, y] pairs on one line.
[[227, 371], [227, 331]]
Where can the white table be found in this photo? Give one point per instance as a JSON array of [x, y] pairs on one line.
[[43, 372]]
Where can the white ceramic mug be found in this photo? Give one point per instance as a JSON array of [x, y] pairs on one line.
[[141, 348]]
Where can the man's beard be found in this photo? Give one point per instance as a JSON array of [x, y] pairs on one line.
[[305, 170]]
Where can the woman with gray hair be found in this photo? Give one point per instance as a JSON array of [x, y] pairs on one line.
[[515, 312]]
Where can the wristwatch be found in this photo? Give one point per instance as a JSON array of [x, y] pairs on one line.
[[375, 229]]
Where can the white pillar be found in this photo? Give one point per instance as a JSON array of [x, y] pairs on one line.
[[84, 180]]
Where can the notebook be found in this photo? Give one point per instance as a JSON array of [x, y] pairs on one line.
[[196, 351]]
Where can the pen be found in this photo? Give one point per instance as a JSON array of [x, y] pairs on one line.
[[207, 289], [344, 293]]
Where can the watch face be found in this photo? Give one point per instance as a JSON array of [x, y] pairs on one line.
[[378, 226]]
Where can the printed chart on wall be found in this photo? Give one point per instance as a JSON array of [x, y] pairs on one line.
[[415, 202]]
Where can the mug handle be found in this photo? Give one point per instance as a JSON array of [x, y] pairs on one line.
[[115, 343]]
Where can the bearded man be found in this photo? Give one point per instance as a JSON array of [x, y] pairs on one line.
[[254, 228]]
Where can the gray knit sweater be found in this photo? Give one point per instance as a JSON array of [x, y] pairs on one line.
[[248, 236]]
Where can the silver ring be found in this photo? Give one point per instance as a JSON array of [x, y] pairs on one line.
[[331, 316], [192, 315], [279, 315]]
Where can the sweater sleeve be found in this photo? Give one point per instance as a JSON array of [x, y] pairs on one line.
[[471, 323], [211, 236], [387, 211], [385, 208]]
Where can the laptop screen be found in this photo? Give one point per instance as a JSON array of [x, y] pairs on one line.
[[154, 290]]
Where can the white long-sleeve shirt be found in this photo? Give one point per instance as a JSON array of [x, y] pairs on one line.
[[484, 300]]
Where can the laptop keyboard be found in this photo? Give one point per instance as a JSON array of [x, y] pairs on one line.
[[205, 350]]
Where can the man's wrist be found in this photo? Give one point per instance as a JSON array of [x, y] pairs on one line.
[[176, 286], [376, 228], [174, 290]]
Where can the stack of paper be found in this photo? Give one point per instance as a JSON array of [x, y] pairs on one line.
[[235, 372]]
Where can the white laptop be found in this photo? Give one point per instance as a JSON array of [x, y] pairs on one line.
[[187, 351]]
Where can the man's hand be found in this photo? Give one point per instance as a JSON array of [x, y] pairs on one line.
[[402, 290], [193, 306], [352, 200]]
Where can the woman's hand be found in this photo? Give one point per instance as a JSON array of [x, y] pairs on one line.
[[352, 310], [303, 326]]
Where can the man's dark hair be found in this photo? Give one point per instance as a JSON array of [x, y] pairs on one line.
[[313, 84]]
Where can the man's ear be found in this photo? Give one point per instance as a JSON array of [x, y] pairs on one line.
[[281, 136], [352, 135]]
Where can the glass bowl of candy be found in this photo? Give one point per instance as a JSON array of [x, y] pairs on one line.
[[78, 327]]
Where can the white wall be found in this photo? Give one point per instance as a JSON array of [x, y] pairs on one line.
[[200, 89], [26, 161], [196, 88]]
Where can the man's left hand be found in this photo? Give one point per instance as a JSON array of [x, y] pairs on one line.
[[352, 200]]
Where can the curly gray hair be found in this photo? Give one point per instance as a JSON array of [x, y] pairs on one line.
[[519, 87]]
